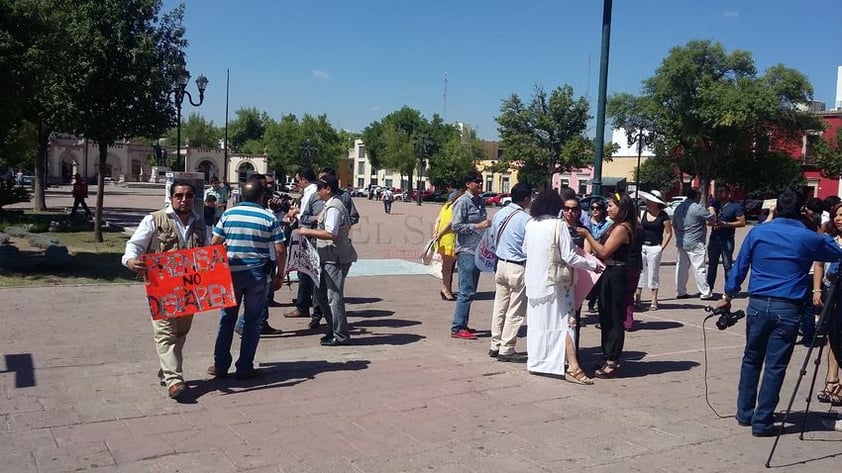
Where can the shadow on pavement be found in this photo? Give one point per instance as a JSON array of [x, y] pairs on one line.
[[370, 313], [273, 375], [392, 339], [657, 324], [385, 323], [362, 300], [634, 369], [484, 296], [22, 366]]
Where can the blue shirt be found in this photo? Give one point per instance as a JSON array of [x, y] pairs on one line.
[[727, 212], [248, 230], [468, 210], [510, 242], [780, 254]]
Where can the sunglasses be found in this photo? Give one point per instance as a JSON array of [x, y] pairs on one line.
[[595, 208], [570, 209], [181, 195]]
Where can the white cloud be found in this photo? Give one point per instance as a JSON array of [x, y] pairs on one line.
[[730, 14], [321, 75]]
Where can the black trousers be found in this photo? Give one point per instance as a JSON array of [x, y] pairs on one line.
[[77, 201], [612, 311]]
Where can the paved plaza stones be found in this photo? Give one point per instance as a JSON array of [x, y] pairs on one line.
[[403, 396]]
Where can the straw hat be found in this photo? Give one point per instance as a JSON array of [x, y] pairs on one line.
[[650, 197]]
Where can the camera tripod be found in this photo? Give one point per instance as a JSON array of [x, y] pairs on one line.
[[823, 328]]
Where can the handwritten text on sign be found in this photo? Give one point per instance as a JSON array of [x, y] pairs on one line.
[[184, 282]]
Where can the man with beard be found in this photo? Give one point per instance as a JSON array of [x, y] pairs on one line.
[[175, 227]]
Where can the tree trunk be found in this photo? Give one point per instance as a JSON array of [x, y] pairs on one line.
[[100, 191], [40, 185]]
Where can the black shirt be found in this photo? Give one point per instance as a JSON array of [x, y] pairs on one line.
[[653, 231]]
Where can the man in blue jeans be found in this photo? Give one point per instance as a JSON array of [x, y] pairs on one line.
[[729, 217], [469, 221], [247, 231], [780, 254]]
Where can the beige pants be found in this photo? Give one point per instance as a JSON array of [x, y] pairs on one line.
[[170, 335], [509, 307]]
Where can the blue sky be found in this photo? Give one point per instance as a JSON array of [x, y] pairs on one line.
[[357, 61]]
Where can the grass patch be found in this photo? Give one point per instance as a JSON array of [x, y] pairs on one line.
[[90, 262]]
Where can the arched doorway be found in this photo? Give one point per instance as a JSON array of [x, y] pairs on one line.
[[208, 169], [67, 167], [244, 171], [137, 168]]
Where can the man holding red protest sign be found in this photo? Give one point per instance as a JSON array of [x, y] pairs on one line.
[[247, 231], [175, 227]]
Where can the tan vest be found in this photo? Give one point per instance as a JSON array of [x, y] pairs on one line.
[[339, 250], [167, 237]]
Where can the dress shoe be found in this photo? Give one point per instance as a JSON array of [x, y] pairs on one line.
[[493, 353], [332, 342], [269, 330], [707, 297], [314, 324], [326, 337], [513, 358], [295, 314], [743, 423], [176, 390], [217, 373], [688, 296], [248, 374]]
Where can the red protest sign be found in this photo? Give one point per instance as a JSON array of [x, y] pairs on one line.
[[184, 282]]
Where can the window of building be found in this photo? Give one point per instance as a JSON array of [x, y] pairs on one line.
[[360, 182], [504, 187], [387, 182], [361, 167], [489, 183], [362, 152]]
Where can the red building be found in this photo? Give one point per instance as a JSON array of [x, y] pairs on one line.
[[817, 185]]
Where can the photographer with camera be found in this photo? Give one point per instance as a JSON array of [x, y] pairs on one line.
[[780, 253]]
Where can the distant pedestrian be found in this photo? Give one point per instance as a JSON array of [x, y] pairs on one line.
[[173, 228], [599, 223], [221, 195], [248, 230], [387, 197], [689, 222], [80, 193], [469, 221]]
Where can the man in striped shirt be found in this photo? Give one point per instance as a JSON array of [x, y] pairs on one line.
[[247, 231]]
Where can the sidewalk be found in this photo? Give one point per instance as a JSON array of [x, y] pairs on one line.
[[80, 392]]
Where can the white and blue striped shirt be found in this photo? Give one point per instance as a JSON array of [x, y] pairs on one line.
[[249, 230]]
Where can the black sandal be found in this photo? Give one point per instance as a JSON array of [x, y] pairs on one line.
[[830, 394], [608, 370]]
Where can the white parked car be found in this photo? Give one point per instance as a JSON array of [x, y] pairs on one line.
[[506, 201], [673, 203]]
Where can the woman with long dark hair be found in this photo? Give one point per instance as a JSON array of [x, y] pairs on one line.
[[614, 251], [550, 303], [824, 275]]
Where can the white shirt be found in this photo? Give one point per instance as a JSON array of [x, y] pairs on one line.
[[306, 196], [139, 242], [536, 245]]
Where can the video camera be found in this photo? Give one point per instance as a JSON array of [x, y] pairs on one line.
[[726, 318], [279, 202]]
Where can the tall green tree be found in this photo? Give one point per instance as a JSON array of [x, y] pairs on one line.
[[716, 118], [127, 55], [249, 125], [197, 132], [399, 142], [310, 141], [545, 135], [455, 157]]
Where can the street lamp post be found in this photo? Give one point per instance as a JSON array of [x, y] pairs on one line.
[[308, 150], [180, 91], [643, 138], [423, 145]]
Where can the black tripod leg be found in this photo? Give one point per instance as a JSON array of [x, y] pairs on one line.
[[817, 363]]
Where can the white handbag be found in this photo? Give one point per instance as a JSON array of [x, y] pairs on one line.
[[558, 272]]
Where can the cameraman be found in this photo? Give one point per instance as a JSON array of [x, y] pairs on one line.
[[780, 253]]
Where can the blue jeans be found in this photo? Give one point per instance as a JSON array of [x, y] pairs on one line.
[[719, 247], [264, 316], [249, 290], [771, 328], [468, 280]]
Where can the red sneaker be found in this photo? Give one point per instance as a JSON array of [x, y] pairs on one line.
[[464, 334]]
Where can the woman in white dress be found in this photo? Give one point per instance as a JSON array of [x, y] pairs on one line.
[[549, 339]]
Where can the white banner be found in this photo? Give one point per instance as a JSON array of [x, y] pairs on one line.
[[303, 257]]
